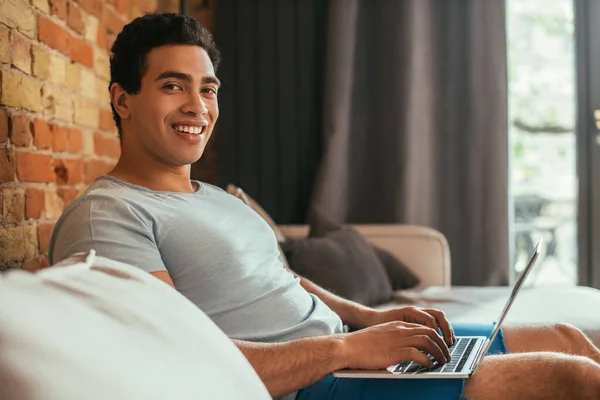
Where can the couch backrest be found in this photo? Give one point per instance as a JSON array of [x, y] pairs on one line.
[[424, 250]]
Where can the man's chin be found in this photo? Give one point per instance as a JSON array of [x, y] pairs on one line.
[[186, 160]]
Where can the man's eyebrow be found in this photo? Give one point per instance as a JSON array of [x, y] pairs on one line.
[[211, 79], [187, 77], [174, 74]]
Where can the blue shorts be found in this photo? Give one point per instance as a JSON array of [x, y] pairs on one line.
[[331, 388]]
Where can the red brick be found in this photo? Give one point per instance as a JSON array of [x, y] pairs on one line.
[[144, 5], [104, 146], [75, 141], [68, 195], [93, 7], [81, 52], [102, 39], [111, 20], [44, 263], [20, 131], [42, 134], [44, 236], [7, 166], [107, 122], [134, 11], [36, 264], [59, 8], [68, 172], [32, 167], [95, 168], [60, 142], [20, 52], [53, 35], [3, 125], [74, 18], [122, 6], [31, 266], [35, 201]]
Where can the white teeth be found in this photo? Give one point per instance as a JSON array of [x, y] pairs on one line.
[[194, 130]]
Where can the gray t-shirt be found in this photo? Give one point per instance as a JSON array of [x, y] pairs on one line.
[[220, 254]]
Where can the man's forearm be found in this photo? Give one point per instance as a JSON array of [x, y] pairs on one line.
[[290, 366], [351, 313]]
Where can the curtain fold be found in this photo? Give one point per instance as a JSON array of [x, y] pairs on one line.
[[415, 124], [269, 133]]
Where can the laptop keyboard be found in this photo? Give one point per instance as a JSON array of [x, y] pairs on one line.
[[460, 352]]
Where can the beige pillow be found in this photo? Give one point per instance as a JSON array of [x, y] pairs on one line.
[[249, 201]]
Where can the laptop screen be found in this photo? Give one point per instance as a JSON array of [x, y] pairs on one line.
[[513, 295]]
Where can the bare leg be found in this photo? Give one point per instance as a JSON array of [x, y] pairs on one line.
[[533, 376], [561, 338]]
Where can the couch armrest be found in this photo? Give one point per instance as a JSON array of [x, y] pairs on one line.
[[424, 250]]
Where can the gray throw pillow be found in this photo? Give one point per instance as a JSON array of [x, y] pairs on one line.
[[342, 262], [399, 274]]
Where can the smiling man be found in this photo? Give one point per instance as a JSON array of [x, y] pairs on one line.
[[224, 258], [168, 106]]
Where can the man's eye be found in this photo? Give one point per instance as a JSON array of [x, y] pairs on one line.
[[210, 90], [171, 87]]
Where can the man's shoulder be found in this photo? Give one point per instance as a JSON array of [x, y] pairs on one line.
[[102, 194], [111, 200], [103, 206]]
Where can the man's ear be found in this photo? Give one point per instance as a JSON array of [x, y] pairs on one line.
[[120, 100]]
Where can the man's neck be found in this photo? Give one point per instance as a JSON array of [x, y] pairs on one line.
[[154, 176]]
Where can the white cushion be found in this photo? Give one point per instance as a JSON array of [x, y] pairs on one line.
[[106, 330], [538, 305]]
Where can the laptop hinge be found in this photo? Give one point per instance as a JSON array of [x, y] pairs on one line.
[[478, 356]]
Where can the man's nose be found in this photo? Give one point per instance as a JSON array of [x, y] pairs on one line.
[[195, 105]]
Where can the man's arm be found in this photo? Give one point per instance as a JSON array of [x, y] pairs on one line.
[[290, 366], [358, 316]]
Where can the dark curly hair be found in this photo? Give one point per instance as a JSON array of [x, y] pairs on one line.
[[128, 59]]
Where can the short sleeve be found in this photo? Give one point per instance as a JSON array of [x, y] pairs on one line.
[[111, 227]]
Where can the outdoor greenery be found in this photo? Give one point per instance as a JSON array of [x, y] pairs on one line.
[[542, 104]]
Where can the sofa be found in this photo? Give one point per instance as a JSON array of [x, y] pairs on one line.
[[95, 329], [425, 251], [92, 328]]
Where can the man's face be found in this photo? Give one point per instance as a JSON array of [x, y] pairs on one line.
[[173, 115]]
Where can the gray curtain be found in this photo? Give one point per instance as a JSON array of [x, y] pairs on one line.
[[415, 124], [269, 134]]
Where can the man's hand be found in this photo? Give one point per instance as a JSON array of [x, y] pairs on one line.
[[428, 317], [387, 344]]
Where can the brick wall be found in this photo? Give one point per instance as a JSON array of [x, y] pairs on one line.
[[56, 128]]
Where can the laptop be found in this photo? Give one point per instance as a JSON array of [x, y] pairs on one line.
[[466, 353]]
